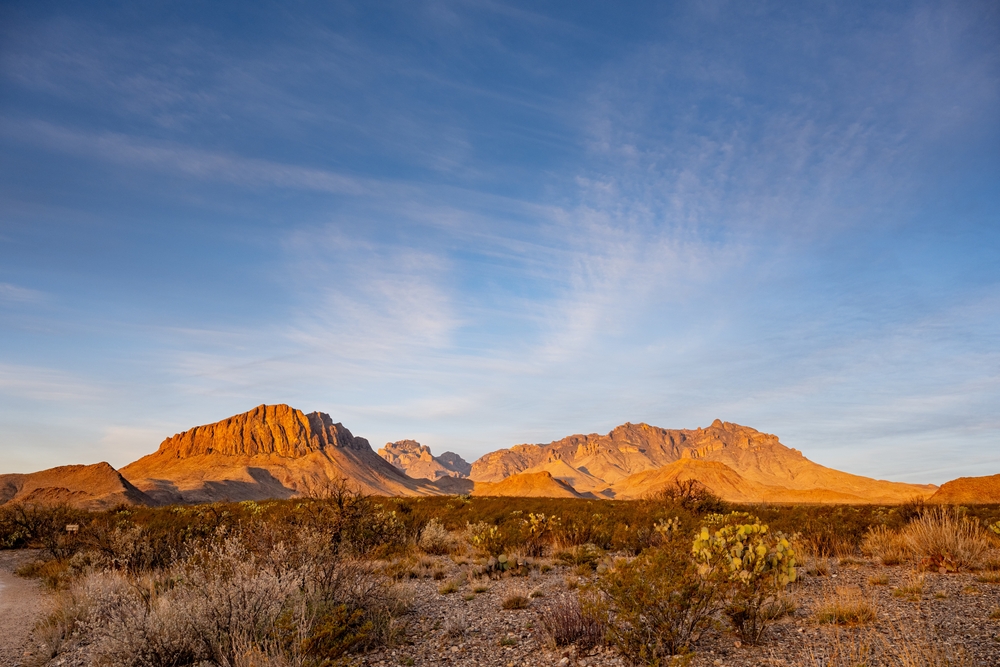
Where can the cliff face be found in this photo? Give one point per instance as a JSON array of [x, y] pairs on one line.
[[417, 461], [272, 451], [266, 430]]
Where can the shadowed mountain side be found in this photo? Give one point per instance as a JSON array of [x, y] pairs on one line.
[[268, 452], [758, 458], [97, 486], [969, 491], [528, 485]]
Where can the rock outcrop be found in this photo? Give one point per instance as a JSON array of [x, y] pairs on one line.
[[94, 487], [272, 451], [417, 461], [768, 469], [969, 491]]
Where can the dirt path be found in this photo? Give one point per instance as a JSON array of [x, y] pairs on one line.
[[22, 604]]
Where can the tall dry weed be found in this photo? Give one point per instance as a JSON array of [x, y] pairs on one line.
[[941, 537], [885, 545]]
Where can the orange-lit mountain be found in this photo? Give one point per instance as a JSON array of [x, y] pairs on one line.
[[527, 485], [757, 467], [272, 451], [969, 491], [97, 486]]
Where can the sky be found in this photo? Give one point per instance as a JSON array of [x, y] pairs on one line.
[[477, 224]]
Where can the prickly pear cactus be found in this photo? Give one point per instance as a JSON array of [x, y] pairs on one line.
[[754, 563]]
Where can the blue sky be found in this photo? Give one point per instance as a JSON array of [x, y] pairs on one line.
[[480, 223]]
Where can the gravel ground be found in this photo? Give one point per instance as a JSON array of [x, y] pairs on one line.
[[948, 618], [22, 604]]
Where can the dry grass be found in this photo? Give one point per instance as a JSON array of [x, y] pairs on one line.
[[885, 545], [846, 606], [879, 580], [940, 538], [567, 621], [917, 646], [941, 534], [516, 601]]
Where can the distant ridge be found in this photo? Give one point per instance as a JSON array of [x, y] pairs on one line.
[[768, 471], [97, 486], [276, 451], [417, 461]]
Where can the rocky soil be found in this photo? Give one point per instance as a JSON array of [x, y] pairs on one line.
[[948, 619]]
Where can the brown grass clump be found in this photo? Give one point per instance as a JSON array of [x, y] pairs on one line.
[[846, 606], [916, 646], [568, 621], [940, 537], [515, 601], [885, 545]]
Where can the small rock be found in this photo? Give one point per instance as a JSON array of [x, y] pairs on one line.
[[564, 662]]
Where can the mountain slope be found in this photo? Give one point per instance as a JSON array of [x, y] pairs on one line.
[[97, 486], [777, 472], [527, 485], [969, 491], [272, 451]]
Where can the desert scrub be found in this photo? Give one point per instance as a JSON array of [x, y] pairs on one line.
[[657, 603], [227, 598], [846, 606], [487, 539], [568, 620], [435, 539], [583, 556], [752, 565]]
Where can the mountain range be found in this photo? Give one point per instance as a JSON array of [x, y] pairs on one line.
[[276, 451]]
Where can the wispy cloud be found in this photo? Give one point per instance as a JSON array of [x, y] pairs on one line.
[[46, 385], [16, 294]]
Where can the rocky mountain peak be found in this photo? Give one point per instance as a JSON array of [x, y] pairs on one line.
[[266, 430], [417, 461]]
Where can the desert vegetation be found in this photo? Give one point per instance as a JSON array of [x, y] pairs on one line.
[[676, 578]]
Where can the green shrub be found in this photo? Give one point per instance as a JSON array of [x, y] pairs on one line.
[[657, 602]]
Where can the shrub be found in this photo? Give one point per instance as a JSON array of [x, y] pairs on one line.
[[657, 603], [26, 524], [434, 539], [486, 538], [585, 556], [753, 564], [568, 621]]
